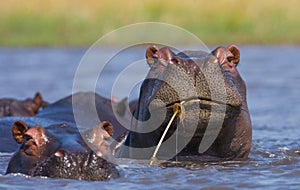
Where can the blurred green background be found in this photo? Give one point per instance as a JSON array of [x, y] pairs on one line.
[[82, 22]]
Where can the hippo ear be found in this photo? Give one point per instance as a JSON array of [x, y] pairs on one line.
[[38, 99], [151, 54], [231, 54], [35, 104], [107, 126], [164, 55], [19, 128], [236, 54]]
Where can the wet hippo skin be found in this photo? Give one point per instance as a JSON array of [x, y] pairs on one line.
[[50, 143], [211, 93]]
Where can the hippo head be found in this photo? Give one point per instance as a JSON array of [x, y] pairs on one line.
[[59, 151], [207, 97], [27, 107]]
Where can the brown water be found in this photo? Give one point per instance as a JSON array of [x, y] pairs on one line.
[[273, 80]]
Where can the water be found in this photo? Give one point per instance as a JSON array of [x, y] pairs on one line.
[[273, 80]]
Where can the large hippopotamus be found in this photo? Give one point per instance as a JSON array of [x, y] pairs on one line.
[[52, 144], [28, 107], [201, 97]]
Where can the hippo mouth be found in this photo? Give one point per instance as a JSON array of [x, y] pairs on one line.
[[194, 114], [193, 118], [78, 166], [202, 104], [200, 101]]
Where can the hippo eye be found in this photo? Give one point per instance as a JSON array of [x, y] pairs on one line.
[[27, 137], [230, 58]]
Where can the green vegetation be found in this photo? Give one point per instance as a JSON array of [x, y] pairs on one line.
[[82, 22]]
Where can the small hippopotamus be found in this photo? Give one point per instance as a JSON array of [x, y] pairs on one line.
[[59, 151], [28, 107], [201, 98], [56, 144]]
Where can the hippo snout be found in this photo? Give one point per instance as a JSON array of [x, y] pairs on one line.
[[80, 165]]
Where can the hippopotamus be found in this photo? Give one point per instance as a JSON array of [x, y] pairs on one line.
[[28, 107], [201, 97], [54, 144]]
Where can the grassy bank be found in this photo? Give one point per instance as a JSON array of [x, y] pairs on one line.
[[82, 22]]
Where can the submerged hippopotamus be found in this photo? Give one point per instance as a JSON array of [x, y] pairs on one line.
[[52, 145], [205, 94], [28, 107]]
